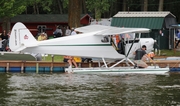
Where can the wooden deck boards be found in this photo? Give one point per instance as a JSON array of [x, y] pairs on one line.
[[161, 63]]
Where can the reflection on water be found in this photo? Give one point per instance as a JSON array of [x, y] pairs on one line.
[[88, 90]]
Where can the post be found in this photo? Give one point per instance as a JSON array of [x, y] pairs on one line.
[[51, 70], [156, 51], [37, 67], [7, 68], [90, 64], [159, 52], [22, 67]]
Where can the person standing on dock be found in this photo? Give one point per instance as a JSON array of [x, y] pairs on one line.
[[140, 57]]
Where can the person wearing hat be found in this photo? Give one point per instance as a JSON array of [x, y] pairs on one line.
[[140, 57], [42, 37], [151, 54]]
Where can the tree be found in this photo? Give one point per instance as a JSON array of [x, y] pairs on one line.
[[98, 7], [124, 5], [41, 6], [161, 2], [10, 9], [59, 3], [145, 6], [84, 9], [74, 12]]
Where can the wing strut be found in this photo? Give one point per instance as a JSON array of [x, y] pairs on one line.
[[104, 62], [131, 47], [126, 59]]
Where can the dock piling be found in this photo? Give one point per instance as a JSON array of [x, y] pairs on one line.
[[37, 67], [7, 67], [22, 67]]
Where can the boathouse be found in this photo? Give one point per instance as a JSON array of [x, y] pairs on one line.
[[40, 22], [158, 22]]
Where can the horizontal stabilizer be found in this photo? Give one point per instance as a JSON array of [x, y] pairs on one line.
[[20, 49]]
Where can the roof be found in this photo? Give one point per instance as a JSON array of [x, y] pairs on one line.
[[48, 18], [151, 20], [143, 14], [152, 23]]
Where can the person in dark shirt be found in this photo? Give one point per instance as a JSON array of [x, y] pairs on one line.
[[140, 57], [58, 32], [4, 35]]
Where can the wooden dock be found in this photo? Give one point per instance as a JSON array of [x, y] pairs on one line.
[[51, 67]]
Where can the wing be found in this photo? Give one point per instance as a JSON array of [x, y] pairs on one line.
[[110, 30], [92, 28], [114, 31]]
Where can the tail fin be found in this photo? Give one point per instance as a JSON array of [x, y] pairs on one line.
[[21, 38]]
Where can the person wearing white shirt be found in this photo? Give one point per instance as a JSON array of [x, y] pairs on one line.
[[68, 31], [73, 32]]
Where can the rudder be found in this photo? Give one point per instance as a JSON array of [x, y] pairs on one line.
[[21, 38]]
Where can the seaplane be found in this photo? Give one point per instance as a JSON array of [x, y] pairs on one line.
[[93, 41]]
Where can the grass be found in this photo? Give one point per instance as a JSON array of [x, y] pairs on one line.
[[59, 58], [170, 52]]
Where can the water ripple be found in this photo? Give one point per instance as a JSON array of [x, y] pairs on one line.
[[87, 89]]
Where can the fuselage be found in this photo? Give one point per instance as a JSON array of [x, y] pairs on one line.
[[88, 44], [84, 45]]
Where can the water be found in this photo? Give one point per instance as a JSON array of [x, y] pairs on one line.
[[89, 90]]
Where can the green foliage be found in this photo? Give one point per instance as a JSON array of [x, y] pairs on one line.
[[32, 2], [46, 5], [92, 4], [11, 8], [65, 3], [98, 7]]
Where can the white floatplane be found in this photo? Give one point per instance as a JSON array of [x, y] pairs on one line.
[[95, 41]]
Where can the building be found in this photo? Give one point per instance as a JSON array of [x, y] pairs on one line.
[[45, 22], [158, 22]]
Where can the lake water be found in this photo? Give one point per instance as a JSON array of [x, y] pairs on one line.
[[89, 90]]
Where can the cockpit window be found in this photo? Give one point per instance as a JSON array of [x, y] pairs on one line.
[[128, 35]]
